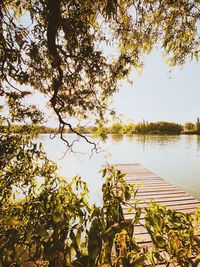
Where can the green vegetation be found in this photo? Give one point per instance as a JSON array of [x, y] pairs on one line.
[[197, 126], [145, 128], [56, 47], [191, 128], [40, 129], [159, 128]]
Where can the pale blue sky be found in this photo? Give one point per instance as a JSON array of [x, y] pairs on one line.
[[154, 96]]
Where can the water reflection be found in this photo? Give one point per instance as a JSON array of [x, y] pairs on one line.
[[161, 140], [117, 137], [198, 142]]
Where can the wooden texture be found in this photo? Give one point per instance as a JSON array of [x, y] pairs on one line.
[[153, 187]]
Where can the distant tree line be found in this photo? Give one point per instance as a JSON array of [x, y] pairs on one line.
[[40, 129], [145, 127], [161, 127], [192, 128]]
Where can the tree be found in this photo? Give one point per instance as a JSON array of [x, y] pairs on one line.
[[189, 126], [198, 125], [116, 128], [58, 48]]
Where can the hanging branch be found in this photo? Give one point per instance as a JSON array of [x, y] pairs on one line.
[[54, 21]]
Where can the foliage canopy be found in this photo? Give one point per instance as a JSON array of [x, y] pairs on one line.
[[59, 47]]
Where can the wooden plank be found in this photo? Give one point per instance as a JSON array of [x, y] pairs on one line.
[[145, 183], [152, 190], [138, 230], [149, 186], [153, 183], [170, 192], [151, 180], [143, 178], [130, 215], [181, 201], [161, 199], [147, 189], [171, 205]]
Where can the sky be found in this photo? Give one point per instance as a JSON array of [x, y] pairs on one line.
[[158, 95]]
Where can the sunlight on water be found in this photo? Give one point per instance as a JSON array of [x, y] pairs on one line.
[[174, 158]]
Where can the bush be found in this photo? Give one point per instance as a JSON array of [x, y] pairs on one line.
[[52, 223]]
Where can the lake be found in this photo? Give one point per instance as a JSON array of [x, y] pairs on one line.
[[174, 158]]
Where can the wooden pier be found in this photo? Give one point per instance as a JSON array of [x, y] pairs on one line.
[[153, 187]]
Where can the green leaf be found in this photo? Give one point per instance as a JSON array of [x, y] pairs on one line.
[[160, 241], [139, 262], [104, 173], [137, 215], [56, 217], [42, 231]]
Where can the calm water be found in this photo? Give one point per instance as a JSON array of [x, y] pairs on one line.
[[175, 158]]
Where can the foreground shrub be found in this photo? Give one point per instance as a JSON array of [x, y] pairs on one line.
[[50, 223]]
